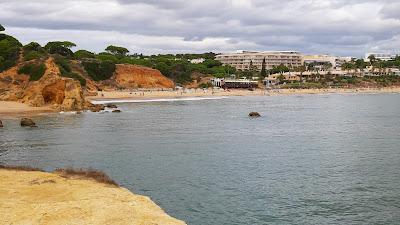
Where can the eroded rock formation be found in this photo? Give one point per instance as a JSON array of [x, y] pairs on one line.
[[132, 76]]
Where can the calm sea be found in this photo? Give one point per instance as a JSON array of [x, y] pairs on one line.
[[313, 159]]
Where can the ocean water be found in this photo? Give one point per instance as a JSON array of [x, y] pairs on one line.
[[312, 159]]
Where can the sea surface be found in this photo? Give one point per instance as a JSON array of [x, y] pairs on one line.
[[310, 159]]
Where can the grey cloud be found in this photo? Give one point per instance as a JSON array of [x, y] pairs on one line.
[[342, 26]]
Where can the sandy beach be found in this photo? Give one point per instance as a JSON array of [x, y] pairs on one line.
[[16, 108], [12, 109], [104, 95]]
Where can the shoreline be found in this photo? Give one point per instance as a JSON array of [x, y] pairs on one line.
[[152, 95], [11, 109]]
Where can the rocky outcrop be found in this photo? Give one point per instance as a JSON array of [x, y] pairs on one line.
[[26, 122], [1, 124], [47, 198], [254, 114], [132, 76], [51, 90], [111, 106]]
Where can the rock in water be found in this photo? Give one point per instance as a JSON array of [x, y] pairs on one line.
[[254, 114], [1, 123], [97, 108], [116, 111], [111, 106], [26, 122]]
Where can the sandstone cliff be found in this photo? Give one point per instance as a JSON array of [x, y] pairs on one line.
[[50, 199], [132, 76], [51, 90]]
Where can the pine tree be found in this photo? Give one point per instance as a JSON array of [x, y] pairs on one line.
[[263, 70]]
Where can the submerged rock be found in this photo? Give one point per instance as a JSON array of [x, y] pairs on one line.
[[254, 114], [116, 111], [111, 106], [1, 123], [26, 122], [97, 108]]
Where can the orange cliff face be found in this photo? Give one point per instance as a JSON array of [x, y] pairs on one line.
[[51, 90], [133, 76]]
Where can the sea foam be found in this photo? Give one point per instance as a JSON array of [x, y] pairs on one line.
[[155, 100]]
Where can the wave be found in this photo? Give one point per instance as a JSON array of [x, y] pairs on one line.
[[155, 100]]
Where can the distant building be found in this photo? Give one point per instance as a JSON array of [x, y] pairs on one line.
[[381, 56], [335, 61], [197, 61], [243, 60], [274, 78], [234, 83]]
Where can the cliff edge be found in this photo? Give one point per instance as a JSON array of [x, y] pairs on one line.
[[32, 197]]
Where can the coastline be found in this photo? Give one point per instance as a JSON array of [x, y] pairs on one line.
[[10, 109], [148, 95], [33, 197]]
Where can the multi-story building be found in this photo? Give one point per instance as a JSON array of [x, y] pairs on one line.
[[381, 56], [335, 61], [243, 60]]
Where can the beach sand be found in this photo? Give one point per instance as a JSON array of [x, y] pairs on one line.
[[16, 108], [106, 95], [13, 109]]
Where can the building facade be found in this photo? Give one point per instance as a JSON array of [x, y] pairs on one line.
[[335, 61], [381, 56], [243, 60]]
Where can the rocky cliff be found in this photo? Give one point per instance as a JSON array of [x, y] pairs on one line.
[[49, 199], [50, 90], [132, 76], [67, 94]]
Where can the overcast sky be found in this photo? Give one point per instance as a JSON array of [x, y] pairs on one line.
[[342, 27]]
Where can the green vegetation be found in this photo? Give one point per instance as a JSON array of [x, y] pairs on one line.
[[33, 51], [60, 47], [9, 51], [66, 71], [116, 50], [99, 70], [83, 54], [263, 69], [35, 71]]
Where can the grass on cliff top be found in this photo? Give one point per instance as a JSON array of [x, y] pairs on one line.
[[93, 174], [96, 175], [20, 168]]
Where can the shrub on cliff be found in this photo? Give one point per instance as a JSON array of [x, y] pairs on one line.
[[99, 70], [60, 47], [9, 51], [83, 54], [35, 71], [33, 50], [66, 71]]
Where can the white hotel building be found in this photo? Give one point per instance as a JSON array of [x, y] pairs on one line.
[[381, 56], [241, 60]]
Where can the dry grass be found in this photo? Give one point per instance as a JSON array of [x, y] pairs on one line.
[[96, 175], [20, 168]]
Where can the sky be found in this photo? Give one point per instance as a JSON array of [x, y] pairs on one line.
[[340, 27]]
